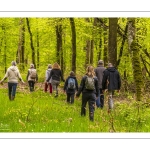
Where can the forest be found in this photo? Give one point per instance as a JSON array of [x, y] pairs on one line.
[[76, 43]]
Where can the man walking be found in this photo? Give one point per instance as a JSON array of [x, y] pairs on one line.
[[99, 73], [111, 81]]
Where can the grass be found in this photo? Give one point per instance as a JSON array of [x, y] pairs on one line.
[[40, 112]]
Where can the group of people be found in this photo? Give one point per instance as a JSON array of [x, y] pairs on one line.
[[92, 86]]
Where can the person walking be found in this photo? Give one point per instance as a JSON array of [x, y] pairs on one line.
[[56, 77], [99, 73], [13, 75], [32, 77], [90, 92], [111, 81], [70, 87], [48, 85]]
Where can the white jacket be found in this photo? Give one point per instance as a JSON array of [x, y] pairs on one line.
[[13, 75]]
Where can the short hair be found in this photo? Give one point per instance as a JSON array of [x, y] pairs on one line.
[[49, 66], [13, 63], [32, 66], [100, 62]]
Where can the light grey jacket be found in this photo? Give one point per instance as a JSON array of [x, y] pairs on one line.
[[13, 75]]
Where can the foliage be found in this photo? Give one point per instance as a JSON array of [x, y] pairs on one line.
[[40, 112]]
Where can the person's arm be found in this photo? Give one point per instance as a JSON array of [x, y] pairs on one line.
[[76, 82], [82, 84], [61, 76], [119, 82], [50, 75], [96, 87], [27, 75], [104, 81], [65, 85], [19, 76], [5, 77]]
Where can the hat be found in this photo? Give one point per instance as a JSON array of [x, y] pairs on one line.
[[100, 62], [13, 63]]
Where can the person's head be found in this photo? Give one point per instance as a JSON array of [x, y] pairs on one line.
[[110, 65], [90, 71], [100, 62], [13, 63], [49, 66], [32, 66], [56, 66], [72, 74]]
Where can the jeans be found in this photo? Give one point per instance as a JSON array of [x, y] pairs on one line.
[[70, 98], [90, 98], [12, 89], [55, 85], [31, 85], [100, 99]]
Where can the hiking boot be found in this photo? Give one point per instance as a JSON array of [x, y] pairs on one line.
[[9, 97], [12, 98]]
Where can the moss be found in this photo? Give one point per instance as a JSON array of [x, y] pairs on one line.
[[137, 73]]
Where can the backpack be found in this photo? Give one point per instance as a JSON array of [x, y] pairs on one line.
[[33, 74], [71, 83], [89, 83]]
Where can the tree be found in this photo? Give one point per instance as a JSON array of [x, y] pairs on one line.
[[134, 53], [73, 31], [20, 51], [112, 44], [31, 42]]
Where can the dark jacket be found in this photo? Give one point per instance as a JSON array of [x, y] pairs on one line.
[[111, 79], [56, 74], [84, 90], [99, 73], [66, 85]]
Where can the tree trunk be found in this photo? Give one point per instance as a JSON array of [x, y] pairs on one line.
[[73, 29], [20, 51], [31, 42], [87, 48], [105, 32], [134, 53], [38, 46], [112, 45]]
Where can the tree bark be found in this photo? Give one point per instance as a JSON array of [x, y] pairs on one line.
[[73, 29], [31, 42], [112, 44], [134, 53], [21, 49]]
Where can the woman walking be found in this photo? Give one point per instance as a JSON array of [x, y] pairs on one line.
[[90, 91]]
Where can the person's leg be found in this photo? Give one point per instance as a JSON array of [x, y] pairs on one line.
[[68, 97], [83, 105], [92, 98], [45, 87], [33, 85], [72, 98], [57, 84], [110, 99], [30, 85], [14, 87], [50, 86], [98, 102], [101, 99], [54, 86], [9, 90]]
